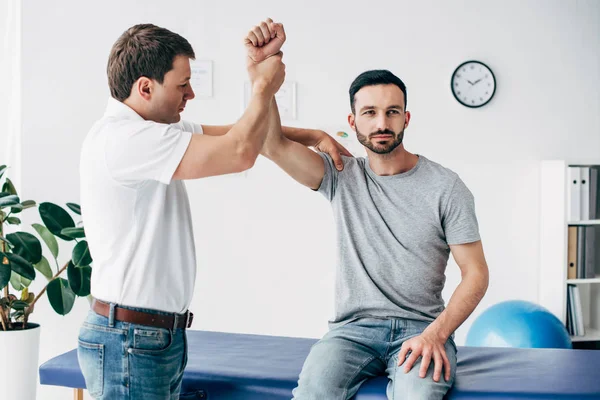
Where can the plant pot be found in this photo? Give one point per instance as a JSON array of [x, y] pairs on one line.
[[20, 349]]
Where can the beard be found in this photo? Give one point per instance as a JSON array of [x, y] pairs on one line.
[[384, 146]]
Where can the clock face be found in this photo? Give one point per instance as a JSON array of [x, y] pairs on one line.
[[473, 84]]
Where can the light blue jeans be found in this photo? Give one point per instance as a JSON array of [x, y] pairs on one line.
[[350, 354], [120, 360]]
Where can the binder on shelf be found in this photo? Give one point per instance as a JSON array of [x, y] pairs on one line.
[[585, 193], [571, 316], [572, 253], [595, 192], [575, 323], [569, 321], [590, 251], [574, 193], [581, 233], [580, 329]]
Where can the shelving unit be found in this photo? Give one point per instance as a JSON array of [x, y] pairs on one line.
[[554, 224]]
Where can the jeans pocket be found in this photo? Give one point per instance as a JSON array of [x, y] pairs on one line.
[[151, 340], [196, 395], [91, 361]]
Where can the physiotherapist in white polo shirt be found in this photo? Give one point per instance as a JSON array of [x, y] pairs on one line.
[[134, 160]]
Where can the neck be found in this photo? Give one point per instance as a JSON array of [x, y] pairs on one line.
[[137, 106], [396, 162]]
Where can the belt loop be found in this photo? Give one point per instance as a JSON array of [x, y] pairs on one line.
[[111, 315], [175, 321]]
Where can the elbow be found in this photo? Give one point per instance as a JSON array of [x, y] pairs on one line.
[[246, 158], [479, 279], [485, 280]]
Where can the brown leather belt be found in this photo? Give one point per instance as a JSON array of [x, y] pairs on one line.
[[171, 321]]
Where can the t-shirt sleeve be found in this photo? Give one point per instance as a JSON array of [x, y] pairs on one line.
[[330, 178], [459, 219], [188, 126], [145, 151]]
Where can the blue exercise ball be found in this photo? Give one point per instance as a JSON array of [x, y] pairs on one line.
[[518, 323]]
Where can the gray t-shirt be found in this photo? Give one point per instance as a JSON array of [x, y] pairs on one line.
[[393, 237]]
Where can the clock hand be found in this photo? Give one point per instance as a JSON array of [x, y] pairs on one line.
[[476, 81], [471, 82]]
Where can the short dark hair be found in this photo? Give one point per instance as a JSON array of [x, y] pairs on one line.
[[143, 50], [375, 77]]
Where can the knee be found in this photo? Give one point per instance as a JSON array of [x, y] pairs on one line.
[[319, 386], [414, 387]]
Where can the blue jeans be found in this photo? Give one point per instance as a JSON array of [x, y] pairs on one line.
[[120, 360], [350, 354]]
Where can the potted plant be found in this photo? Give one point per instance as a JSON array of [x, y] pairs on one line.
[[21, 262]]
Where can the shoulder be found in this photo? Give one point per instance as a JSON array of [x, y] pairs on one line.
[[439, 172], [350, 163]]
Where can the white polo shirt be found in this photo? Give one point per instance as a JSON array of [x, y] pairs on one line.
[[137, 220]]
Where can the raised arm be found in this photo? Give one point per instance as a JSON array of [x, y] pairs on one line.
[[297, 160], [237, 150], [261, 42]]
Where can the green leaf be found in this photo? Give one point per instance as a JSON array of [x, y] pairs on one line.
[[13, 220], [21, 266], [9, 187], [48, 238], [75, 208], [9, 200], [56, 219], [5, 271], [75, 233], [9, 244], [18, 282], [2, 170], [15, 281], [17, 208], [79, 279], [28, 204], [81, 254], [60, 295], [26, 246], [44, 267], [25, 282], [19, 305]]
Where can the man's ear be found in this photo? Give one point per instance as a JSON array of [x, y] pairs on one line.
[[144, 87], [406, 119], [351, 121]]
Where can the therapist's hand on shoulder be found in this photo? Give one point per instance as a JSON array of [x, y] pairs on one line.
[[327, 144], [264, 40]]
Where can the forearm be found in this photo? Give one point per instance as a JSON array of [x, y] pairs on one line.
[[465, 298], [298, 161], [307, 137], [251, 129]]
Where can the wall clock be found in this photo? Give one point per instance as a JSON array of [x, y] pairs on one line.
[[473, 84]]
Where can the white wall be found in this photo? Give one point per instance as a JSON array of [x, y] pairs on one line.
[[265, 244], [10, 99]]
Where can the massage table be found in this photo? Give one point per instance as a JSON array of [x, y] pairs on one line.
[[258, 367]]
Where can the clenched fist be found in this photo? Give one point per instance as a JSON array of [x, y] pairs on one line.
[[264, 40]]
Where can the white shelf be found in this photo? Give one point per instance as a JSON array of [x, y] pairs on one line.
[[581, 281], [553, 293], [586, 222], [590, 335]]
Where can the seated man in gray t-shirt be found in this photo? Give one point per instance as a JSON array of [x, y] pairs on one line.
[[398, 217]]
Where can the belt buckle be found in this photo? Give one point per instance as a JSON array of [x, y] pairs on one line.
[[189, 317]]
